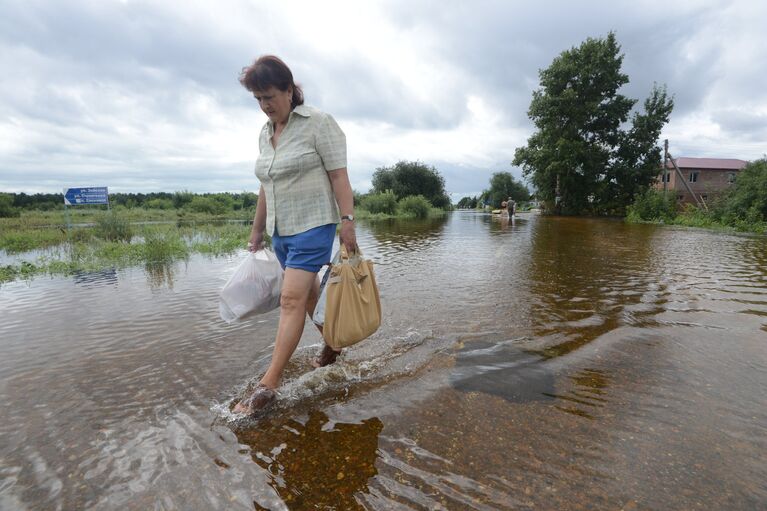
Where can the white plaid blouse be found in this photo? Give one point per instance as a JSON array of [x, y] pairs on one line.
[[297, 187]]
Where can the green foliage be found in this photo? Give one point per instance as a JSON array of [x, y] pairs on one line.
[[111, 226], [468, 203], [384, 202], [502, 186], [158, 204], [407, 178], [207, 205], [248, 200], [181, 199], [16, 241], [162, 246], [579, 144], [6, 206], [415, 205], [747, 199], [653, 206]]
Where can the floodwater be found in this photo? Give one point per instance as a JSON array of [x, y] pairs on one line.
[[546, 363]]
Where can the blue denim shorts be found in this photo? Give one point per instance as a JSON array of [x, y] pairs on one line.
[[308, 250]]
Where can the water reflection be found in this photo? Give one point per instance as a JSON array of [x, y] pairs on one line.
[[501, 223], [160, 274], [405, 233], [584, 275], [95, 278], [316, 464]]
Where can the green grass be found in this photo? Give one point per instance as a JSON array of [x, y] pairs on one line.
[[154, 246]]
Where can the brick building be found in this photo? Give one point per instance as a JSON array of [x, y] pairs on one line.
[[705, 176]]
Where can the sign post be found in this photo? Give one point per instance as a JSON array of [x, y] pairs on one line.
[[83, 197]]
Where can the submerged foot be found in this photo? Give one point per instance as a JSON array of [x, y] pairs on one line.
[[261, 397], [326, 357]]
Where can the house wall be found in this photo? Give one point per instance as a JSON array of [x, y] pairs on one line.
[[710, 182]]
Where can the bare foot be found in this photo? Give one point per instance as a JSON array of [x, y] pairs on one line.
[[261, 397], [326, 357]]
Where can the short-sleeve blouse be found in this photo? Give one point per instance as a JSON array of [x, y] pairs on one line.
[[294, 175]]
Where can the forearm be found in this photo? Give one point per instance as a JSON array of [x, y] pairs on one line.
[[342, 190]]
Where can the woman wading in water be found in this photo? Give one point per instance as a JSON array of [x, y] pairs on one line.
[[304, 194]]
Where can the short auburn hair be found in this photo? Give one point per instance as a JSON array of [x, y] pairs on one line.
[[270, 71]]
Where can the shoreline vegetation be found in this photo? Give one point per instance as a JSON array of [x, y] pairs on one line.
[[741, 208], [91, 238], [38, 235]]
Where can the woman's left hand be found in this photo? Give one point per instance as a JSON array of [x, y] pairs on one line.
[[348, 237]]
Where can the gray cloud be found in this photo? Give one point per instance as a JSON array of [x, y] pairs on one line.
[[145, 96]]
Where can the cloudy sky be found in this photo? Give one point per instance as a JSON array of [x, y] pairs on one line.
[[143, 95]]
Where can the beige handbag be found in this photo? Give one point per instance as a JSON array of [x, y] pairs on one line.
[[353, 306]]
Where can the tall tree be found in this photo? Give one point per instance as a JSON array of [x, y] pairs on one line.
[[407, 178], [502, 186], [581, 159]]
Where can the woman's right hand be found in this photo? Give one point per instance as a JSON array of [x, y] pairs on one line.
[[256, 242]]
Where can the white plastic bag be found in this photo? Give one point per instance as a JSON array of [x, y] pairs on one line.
[[319, 310], [254, 288]]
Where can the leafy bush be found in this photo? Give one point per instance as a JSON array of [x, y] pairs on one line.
[[415, 205], [693, 216], [653, 205], [385, 202], [206, 205], [747, 200], [159, 204], [162, 247], [181, 199], [6, 206], [112, 227], [412, 178]]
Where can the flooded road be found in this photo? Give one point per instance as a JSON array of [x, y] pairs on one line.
[[546, 363]]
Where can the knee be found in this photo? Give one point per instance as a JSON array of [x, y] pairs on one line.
[[292, 302]]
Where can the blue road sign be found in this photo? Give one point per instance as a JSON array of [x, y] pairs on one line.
[[81, 196]]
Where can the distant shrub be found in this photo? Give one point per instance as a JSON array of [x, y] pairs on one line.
[[653, 205], [181, 199], [385, 202], [112, 227], [159, 204], [206, 205], [415, 205], [6, 206]]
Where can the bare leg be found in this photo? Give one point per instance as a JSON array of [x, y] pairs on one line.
[[328, 355], [311, 302], [296, 288]]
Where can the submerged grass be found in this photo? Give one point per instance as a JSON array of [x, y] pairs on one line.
[[88, 249]]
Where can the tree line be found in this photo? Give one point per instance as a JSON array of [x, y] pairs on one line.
[[410, 187], [11, 204]]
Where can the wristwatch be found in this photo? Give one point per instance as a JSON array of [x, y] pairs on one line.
[[348, 217]]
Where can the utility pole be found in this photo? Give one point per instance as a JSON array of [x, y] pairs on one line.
[[699, 202], [665, 162]]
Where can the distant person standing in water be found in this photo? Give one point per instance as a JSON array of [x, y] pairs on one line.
[[305, 192]]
